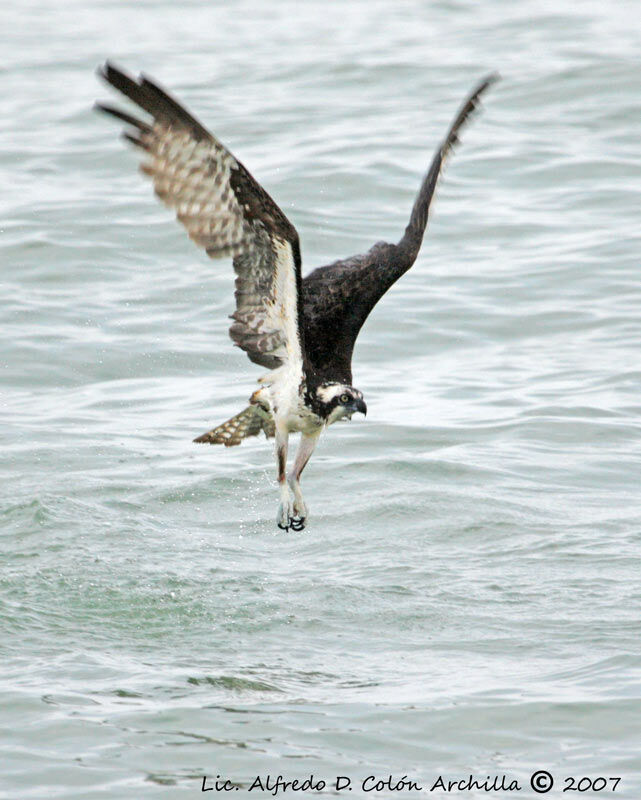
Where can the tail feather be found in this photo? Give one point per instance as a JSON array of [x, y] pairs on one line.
[[249, 422]]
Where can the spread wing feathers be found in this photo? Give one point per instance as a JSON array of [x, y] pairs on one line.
[[418, 219], [225, 211], [249, 422], [339, 297]]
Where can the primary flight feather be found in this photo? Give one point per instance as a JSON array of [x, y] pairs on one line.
[[302, 330]]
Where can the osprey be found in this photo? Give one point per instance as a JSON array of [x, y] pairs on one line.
[[302, 330]]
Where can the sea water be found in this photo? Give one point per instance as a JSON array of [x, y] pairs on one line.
[[464, 603]]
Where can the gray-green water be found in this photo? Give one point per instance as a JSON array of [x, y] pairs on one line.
[[466, 598]]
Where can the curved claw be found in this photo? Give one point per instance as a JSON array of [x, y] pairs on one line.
[[297, 523], [284, 527]]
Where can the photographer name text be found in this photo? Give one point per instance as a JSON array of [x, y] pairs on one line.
[[541, 781]]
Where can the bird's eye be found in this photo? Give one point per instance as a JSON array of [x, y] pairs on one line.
[[345, 398]]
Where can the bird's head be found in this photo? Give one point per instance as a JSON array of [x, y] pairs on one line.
[[338, 401]]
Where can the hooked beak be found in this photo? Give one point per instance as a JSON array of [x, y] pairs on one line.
[[359, 405]]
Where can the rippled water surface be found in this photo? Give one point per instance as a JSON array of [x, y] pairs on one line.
[[466, 597]]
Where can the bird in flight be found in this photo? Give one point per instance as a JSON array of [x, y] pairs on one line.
[[303, 330]]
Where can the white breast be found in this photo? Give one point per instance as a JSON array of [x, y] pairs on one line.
[[284, 394]]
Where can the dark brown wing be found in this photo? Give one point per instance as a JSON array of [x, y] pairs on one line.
[[337, 299], [226, 212]]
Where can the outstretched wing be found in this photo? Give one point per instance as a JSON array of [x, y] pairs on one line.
[[226, 212], [339, 297]]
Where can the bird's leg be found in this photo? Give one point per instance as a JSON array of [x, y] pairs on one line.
[[303, 454], [286, 508]]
